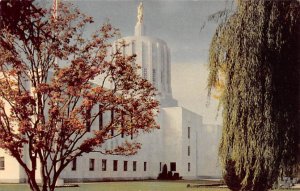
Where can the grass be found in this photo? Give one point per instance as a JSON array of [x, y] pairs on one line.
[[124, 186]]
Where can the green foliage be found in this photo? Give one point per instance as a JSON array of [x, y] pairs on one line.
[[259, 48]]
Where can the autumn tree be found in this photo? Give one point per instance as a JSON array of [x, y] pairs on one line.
[[13, 19], [256, 53], [56, 84], [18, 22]]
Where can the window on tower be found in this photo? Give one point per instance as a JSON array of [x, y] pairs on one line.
[[154, 53], [145, 73], [145, 56], [154, 76]]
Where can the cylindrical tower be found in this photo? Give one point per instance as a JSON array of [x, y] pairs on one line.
[[153, 55]]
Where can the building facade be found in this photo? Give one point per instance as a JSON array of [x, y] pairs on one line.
[[183, 143]]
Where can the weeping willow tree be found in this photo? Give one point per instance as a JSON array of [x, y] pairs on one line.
[[256, 55]]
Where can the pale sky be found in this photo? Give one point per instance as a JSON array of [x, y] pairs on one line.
[[178, 23]]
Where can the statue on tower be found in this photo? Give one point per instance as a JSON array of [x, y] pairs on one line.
[[140, 12]]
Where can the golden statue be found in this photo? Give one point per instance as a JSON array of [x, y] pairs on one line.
[[140, 12]]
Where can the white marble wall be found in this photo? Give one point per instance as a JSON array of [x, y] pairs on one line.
[[208, 141]]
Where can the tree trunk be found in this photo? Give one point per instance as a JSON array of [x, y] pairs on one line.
[[32, 181], [44, 178]]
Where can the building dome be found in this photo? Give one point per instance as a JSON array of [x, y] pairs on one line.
[[153, 55]]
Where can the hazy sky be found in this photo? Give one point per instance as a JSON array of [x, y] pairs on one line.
[[179, 24]]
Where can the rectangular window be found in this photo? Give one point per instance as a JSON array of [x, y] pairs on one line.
[[100, 117], [145, 73], [92, 164], [115, 165], [134, 166], [112, 120], [74, 164], [145, 166], [189, 167], [189, 132], [189, 150], [154, 53], [153, 76], [173, 166], [104, 164], [122, 124], [125, 165], [145, 56], [131, 130], [88, 120], [2, 164]]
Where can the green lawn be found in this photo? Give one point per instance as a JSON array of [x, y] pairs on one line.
[[121, 186]]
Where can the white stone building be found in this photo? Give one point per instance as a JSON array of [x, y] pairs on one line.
[[183, 143]]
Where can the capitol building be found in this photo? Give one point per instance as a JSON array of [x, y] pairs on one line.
[[183, 143]]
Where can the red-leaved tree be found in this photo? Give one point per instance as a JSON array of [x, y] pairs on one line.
[[55, 84]]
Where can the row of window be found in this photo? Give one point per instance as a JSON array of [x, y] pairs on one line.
[[88, 117], [144, 60], [145, 75], [88, 121], [104, 165], [88, 113]]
